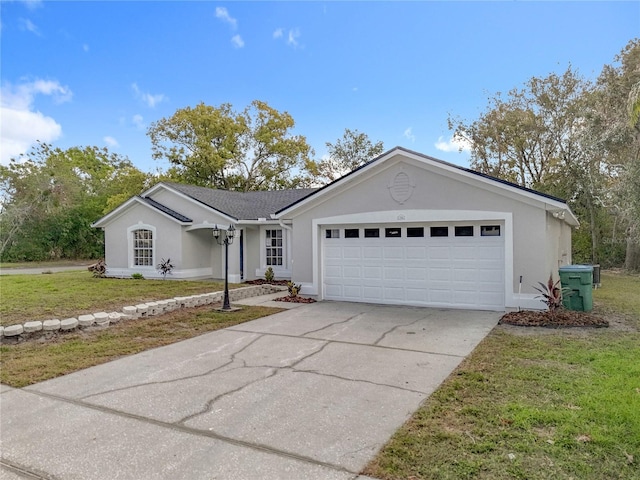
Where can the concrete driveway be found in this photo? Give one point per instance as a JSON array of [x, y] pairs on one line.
[[313, 392]]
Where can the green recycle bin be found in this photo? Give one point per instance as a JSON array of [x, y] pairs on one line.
[[579, 279]]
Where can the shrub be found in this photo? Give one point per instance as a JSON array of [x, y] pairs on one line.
[[165, 267], [137, 276], [551, 294], [293, 289], [269, 275]]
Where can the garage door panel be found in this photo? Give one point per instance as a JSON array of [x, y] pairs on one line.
[[393, 253], [464, 252], [439, 274], [372, 294], [465, 275], [351, 253], [393, 273], [416, 253], [393, 293], [371, 272], [417, 295], [416, 273], [439, 253], [333, 272], [332, 252], [372, 253], [351, 271]]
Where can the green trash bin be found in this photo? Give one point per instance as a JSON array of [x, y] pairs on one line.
[[579, 279]]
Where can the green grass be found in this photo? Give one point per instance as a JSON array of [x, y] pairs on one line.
[[68, 294], [30, 362], [533, 404], [81, 264]]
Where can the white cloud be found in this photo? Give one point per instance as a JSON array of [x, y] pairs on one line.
[[149, 99], [111, 142], [293, 37], [32, 4], [223, 14], [408, 134], [237, 41], [138, 121], [278, 33], [20, 124], [29, 26], [453, 144]]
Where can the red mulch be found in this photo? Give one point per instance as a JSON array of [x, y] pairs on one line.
[[262, 281], [560, 318], [295, 299]]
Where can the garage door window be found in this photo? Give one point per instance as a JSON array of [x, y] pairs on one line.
[[490, 230], [393, 232], [413, 232], [439, 231], [371, 232], [465, 231], [351, 233]]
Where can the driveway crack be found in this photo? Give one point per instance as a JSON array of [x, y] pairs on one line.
[[394, 328], [333, 323], [356, 380], [231, 360], [209, 405]]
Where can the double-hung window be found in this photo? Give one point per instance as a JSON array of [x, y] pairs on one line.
[[273, 242], [143, 248]]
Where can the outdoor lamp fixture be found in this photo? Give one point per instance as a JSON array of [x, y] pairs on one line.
[[225, 237]]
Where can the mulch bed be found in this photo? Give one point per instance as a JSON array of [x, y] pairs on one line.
[[295, 300], [262, 281], [558, 319]]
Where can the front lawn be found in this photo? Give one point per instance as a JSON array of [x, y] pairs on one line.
[[31, 362], [534, 403], [68, 294]]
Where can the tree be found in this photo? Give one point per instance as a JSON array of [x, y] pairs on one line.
[[51, 196], [538, 138], [345, 155], [220, 148], [615, 126]]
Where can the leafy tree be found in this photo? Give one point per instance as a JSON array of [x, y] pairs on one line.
[[220, 148], [51, 196], [345, 155], [618, 127]]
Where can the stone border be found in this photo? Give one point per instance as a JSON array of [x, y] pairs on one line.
[[19, 332]]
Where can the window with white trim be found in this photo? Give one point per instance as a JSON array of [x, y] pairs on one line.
[[142, 247], [273, 242]]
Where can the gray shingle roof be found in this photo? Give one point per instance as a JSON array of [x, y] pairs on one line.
[[243, 205], [165, 209]]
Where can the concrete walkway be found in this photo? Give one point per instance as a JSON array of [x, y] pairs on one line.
[[313, 392]]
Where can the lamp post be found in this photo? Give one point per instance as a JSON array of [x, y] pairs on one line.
[[225, 237]]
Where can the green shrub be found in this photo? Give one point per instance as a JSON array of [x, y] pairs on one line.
[[269, 275], [137, 276]]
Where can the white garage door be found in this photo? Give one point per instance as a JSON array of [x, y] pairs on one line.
[[441, 265]]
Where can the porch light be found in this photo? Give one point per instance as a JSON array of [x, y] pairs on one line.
[[225, 237]]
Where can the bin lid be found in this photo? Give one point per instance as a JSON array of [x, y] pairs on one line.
[[577, 268]]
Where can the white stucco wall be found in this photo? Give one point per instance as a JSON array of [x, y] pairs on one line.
[[434, 196]]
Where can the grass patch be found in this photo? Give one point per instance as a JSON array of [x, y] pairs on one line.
[[81, 264], [68, 294], [533, 404], [31, 362]]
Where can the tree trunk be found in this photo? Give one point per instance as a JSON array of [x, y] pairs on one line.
[[632, 259]]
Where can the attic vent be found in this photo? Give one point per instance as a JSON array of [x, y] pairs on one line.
[[401, 187]]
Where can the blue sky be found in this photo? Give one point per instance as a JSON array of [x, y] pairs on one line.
[[98, 73]]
